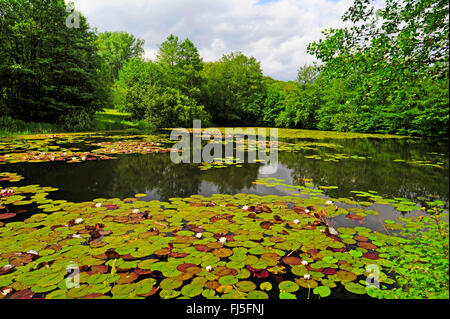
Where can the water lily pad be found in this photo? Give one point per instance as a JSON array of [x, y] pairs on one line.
[[228, 280], [288, 286], [257, 294], [346, 275], [355, 288], [322, 291], [246, 286], [292, 260], [171, 283], [191, 290], [287, 295]]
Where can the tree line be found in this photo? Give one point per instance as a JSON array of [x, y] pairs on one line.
[[387, 73]]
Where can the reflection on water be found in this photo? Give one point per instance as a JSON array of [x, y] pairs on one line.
[[157, 176]]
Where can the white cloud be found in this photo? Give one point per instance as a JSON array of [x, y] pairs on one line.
[[276, 33]]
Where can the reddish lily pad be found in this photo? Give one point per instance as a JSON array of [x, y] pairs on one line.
[[367, 245], [371, 255], [292, 261], [22, 294], [7, 216], [354, 217]]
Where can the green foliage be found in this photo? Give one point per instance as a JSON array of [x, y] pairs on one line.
[[386, 73], [135, 76], [181, 65], [163, 93], [389, 77], [421, 261], [234, 90], [168, 108], [9, 126], [48, 71], [115, 49]]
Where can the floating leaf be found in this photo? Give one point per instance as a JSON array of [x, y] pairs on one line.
[[322, 291], [191, 290], [171, 283], [288, 286], [228, 280], [287, 295], [292, 260], [245, 286]]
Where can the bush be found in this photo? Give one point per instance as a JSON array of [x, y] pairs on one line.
[[168, 108], [345, 122], [79, 121]]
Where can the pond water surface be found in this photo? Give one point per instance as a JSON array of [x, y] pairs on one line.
[[403, 169]]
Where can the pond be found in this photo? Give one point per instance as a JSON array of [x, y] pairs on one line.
[[146, 227]]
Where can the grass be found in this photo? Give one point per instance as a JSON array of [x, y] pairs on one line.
[[111, 119], [106, 120], [10, 127]]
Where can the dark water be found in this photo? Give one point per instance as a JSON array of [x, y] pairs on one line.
[[157, 176]]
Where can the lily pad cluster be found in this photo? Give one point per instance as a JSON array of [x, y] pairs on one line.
[[241, 246], [50, 148], [130, 147], [361, 199], [60, 156]]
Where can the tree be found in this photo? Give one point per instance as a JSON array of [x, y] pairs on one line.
[[234, 90], [117, 48], [168, 107], [135, 76], [164, 92], [383, 61], [48, 71], [182, 65]]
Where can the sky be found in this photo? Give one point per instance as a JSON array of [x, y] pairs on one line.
[[275, 32]]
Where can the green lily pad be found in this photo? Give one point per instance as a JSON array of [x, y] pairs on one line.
[[191, 290], [322, 291], [288, 286]]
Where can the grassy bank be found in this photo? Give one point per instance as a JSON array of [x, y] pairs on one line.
[[106, 120]]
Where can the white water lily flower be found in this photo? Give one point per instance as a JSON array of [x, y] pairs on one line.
[[6, 291], [333, 231], [322, 230], [135, 210], [223, 240], [76, 236], [98, 205], [199, 235], [307, 210], [33, 252], [307, 276], [329, 202], [79, 221], [245, 207], [296, 221], [7, 267], [304, 262], [208, 268]]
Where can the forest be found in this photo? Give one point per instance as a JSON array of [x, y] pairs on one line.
[[387, 74]]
